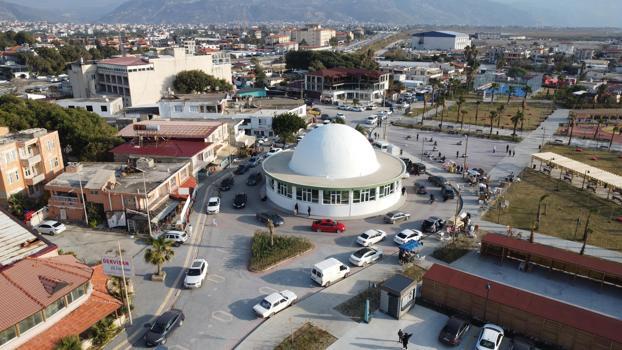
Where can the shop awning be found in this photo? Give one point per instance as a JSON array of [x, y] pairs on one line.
[[582, 169], [163, 211]]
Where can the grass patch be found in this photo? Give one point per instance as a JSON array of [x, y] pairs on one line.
[[355, 306], [453, 250], [413, 271], [264, 255], [308, 337], [564, 205], [456, 131], [609, 161], [414, 112], [535, 113]]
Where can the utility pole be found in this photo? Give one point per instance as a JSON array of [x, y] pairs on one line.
[[127, 299], [585, 233], [466, 148], [82, 198]]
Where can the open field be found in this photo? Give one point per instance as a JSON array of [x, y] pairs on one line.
[[535, 113], [562, 208], [605, 160]]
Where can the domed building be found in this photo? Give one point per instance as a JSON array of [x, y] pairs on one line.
[[336, 172]]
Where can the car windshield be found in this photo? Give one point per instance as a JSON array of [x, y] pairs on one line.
[[364, 236], [194, 272], [487, 344], [57, 224], [158, 328], [402, 234], [265, 304], [212, 204], [359, 253], [428, 222]]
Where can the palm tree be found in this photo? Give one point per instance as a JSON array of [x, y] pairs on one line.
[[441, 100], [464, 113], [70, 342], [527, 90], [161, 251], [493, 116], [425, 105], [511, 90], [515, 119], [435, 84], [493, 88], [571, 124], [459, 103], [500, 111], [103, 331], [600, 92], [613, 132], [599, 121], [270, 226], [477, 103]]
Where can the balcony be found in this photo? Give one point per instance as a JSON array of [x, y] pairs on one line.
[[31, 160], [30, 181]]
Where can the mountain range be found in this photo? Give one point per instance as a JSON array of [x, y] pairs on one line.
[[597, 13]]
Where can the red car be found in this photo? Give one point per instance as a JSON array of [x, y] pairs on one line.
[[328, 225]]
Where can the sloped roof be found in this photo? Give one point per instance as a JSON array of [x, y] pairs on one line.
[[18, 242], [582, 169], [173, 129], [170, 148], [30, 285]]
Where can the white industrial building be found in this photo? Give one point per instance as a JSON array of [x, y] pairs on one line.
[[109, 107], [440, 40], [336, 173], [142, 80]]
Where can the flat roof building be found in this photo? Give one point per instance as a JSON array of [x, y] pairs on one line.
[[341, 84], [440, 40]]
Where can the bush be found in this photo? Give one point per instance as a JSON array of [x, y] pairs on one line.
[[453, 250], [308, 337], [264, 255], [70, 342]]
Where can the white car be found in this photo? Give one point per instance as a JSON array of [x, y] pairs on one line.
[[273, 150], [408, 235], [370, 237], [213, 205], [365, 256], [51, 227], [196, 274], [274, 303], [178, 237], [490, 337]]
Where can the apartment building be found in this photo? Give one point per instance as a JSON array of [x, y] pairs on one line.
[[28, 159], [109, 107], [340, 84], [142, 80], [314, 35]]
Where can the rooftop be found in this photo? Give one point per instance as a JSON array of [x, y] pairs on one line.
[[168, 148], [101, 99], [23, 135], [125, 61], [117, 176], [169, 128], [280, 103], [579, 168], [210, 97], [18, 242], [442, 33], [335, 73]]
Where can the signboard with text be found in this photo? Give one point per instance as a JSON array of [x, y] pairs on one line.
[[112, 266]]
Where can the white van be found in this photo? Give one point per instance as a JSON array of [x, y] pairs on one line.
[[382, 145], [329, 271]]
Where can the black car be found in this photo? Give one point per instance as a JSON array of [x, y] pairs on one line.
[[437, 180], [416, 168], [408, 162], [454, 331], [263, 217], [239, 201], [241, 169], [226, 183], [447, 192], [163, 327], [432, 224], [254, 179]]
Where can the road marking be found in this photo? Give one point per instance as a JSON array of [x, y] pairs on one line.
[[222, 316], [215, 278], [267, 290]]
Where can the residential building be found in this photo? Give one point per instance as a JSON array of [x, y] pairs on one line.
[[597, 65], [413, 74], [166, 141], [340, 84], [274, 39], [117, 192], [196, 105], [190, 46], [28, 159], [142, 80], [109, 107], [314, 36], [440, 40]]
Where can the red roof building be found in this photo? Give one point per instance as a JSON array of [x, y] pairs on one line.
[[178, 149]]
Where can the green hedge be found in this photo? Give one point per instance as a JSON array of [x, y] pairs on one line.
[[263, 255]]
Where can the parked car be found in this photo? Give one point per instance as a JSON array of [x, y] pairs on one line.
[[254, 161], [408, 235], [357, 109], [328, 271], [178, 237], [213, 205], [395, 216], [454, 331], [226, 183], [437, 180], [51, 227], [416, 168], [365, 256], [241, 169], [164, 326], [370, 237], [254, 179], [327, 225], [196, 274], [239, 201], [490, 337], [408, 162], [343, 107], [447, 192], [432, 224], [522, 343], [273, 150], [263, 217], [274, 303], [372, 120]]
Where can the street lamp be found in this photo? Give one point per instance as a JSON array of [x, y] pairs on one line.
[[584, 176], [488, 288], [466, 147], [146, 203]]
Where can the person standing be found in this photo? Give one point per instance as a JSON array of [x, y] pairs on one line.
[[494, 149], [296, 209], [405, 339], [507, 148], [400, 334], [309, 210], [457, 154], [417, 137]]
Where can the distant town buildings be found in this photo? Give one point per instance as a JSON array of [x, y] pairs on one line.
[[440, 40], [313, 36]]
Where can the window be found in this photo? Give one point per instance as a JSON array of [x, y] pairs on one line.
[[50, 145], [54, 163], [77, 293], [194, 109], [103, 108], [386, 190], [307, 194], [54, 307], [13, 176], [365, 195], [336, 197], [30, 322], [7, 334], [179, 108], [89, 108], [27, 172], [285, 190]]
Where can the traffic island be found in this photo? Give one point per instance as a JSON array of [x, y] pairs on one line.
[[158, 277], [268, 252], [308, 337]]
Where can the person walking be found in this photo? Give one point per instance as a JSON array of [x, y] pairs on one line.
[[417, 137], [405, 339], [507, 148], [296, 209], [403, 191], [400, 334], [494, 149], [309, 210], [513, 153], [457, 154]]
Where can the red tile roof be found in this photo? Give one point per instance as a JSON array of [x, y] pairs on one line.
[[99, 305], [124, 61], [170, 148], [335, 73], [30, 285], [536, 249], [173, 129], [576, 317]]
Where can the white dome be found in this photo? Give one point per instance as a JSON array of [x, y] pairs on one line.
[[334, 151]]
